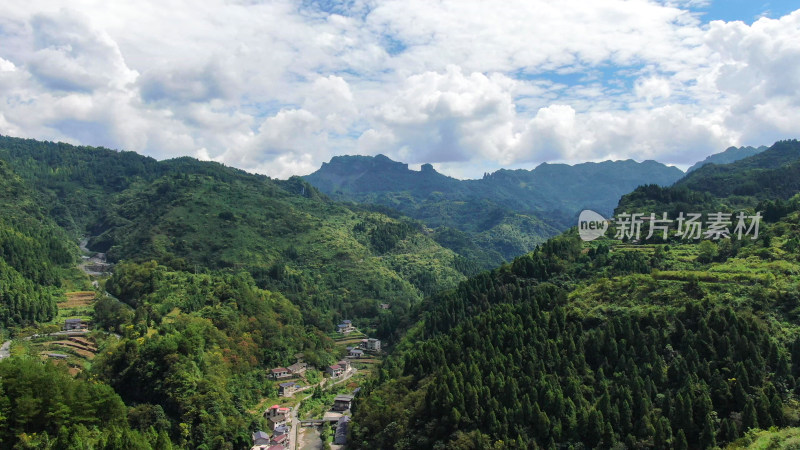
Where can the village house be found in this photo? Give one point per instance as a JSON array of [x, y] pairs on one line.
[[280, 439], [334, 371], [342, 402], [373, 344], [275, 410], [75, 325], [278, 416], [345, 365], [340, 438], [298, 368], [356, 353], [280, 372], [288, 389], [346, 327], [384, 306], [281, 430], [260, 438], [277, 421]]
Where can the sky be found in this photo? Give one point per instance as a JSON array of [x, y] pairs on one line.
[[279, 87]]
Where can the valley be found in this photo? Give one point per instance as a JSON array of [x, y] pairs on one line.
[[207, 297]]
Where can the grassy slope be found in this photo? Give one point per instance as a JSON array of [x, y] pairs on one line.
[[773, 439]]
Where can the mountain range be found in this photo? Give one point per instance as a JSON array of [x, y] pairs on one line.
[[493, 219]]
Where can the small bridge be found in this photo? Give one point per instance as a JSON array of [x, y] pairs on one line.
[[317, 422]]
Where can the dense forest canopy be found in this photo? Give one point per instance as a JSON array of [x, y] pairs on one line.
[[639, 346]]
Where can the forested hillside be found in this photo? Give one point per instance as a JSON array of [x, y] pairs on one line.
[[766, 180], [647, 346], [731, 154], [491, 220], [221, 275], [676, 344], [332, 260], [196, 349], [34, 255]]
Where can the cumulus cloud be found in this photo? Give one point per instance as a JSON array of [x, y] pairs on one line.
[[758, 70], [444, 117], [70, 55], [278, 87]]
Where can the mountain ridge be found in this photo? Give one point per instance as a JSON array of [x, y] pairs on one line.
[[505, 213], [729, 155]]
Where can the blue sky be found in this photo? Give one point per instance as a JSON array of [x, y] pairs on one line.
[[280, 86], [747, 11]]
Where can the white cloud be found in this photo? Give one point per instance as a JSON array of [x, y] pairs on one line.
[[7, 66], [280, 88], [69, 55], [652, 89], [444, 117]]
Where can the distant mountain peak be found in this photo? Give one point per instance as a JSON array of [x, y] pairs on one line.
[[731, 154]]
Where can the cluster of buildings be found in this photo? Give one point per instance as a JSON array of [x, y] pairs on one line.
[[279, 420], [278, 417], [263, 441], [288, 388], [371, 345], [294, 370]]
